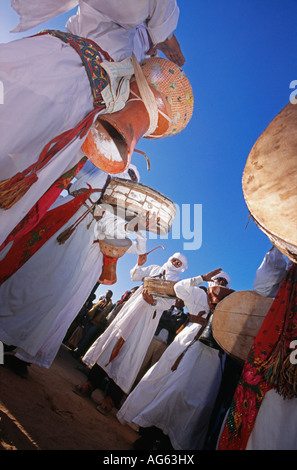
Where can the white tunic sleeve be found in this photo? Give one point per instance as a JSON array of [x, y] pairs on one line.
[[163, 21], [270, 273], [34, 12], [194, 298], [138, 246], [139, 272]]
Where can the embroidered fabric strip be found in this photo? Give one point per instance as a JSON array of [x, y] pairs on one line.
[[91, 56], [43, 204]]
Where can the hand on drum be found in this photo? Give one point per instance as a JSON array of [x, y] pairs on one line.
[[209, 276], [148, 297]]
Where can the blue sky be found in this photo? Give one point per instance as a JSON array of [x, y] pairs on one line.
[[240, 60]]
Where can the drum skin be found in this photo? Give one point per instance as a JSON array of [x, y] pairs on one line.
[[237, 320], [128, 200], [159, 287], [270, 181]]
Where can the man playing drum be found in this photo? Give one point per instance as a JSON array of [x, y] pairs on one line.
[[119, 352], [178, 393]]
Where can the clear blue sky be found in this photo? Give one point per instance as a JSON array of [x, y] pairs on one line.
[[240, 60]]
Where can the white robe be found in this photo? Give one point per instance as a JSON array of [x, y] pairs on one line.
[[111, 23], [277, 415], [270, 273], [37, 75], [276, 424], [46, 88], [136, 323], [40, 300], [179, 402]]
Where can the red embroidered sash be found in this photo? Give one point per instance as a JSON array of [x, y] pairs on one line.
[[43, 204], [14, 188], [25, 247]]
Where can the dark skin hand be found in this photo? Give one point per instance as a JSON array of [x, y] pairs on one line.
[[171, 49], [208, 276], [148, 297], [142, 259]]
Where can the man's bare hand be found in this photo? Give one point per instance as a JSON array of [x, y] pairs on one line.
[[148, 297], [209, 276], [142, 259]]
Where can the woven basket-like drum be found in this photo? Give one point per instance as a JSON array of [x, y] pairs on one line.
[[171, 81]]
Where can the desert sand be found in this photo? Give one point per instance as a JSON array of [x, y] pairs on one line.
[[42, 412]]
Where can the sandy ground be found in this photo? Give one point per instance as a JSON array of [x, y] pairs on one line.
[[41, 412]]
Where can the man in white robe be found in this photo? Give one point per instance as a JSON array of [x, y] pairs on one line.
[[275, 425], [132, 330], [113, 25], [178, 393], [46, 85], [41, 299]]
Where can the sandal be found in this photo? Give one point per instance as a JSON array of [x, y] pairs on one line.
[[105, 406], [84, 390]]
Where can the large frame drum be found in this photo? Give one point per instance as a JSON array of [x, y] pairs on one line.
[[129, 200], [237, 320], [270, 181]]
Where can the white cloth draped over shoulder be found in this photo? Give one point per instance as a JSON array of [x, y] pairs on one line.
[[111, 23], [270, 273], [40, 300], [136, 323], [179, 402], [47, 86], [275, 427]]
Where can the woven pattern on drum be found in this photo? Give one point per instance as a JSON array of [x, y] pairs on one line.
[[171, 81]]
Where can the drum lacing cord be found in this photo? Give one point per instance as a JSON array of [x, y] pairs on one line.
[[63, 237], [147, 97]]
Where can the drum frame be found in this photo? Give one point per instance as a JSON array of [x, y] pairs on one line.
[[130, 209]]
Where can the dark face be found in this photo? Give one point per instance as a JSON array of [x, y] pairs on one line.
[[176, 262], [108, 294], [179, 303], [221, 281]]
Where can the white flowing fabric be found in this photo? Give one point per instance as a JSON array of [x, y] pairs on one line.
[[40, 300], [47, 90], [275, 427], [179, 402], [34, 12], [270, 273], [136, 324], [37, 75], [111, 23]]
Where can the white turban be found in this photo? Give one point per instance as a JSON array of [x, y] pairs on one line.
[[224, 275], [172, 273]]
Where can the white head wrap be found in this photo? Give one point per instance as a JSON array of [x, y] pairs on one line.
[[221, 274], [172, 273]]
